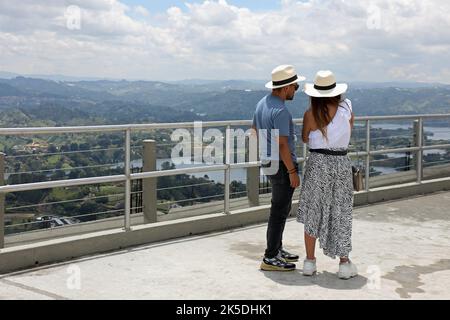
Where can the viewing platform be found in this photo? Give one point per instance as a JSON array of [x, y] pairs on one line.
[[401, 249], [153, 241]]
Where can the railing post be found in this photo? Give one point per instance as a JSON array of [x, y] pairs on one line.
[[2, 201], [227, 178], [253, 174], [419, 167], [128, 180], [416, 141], [368, 155], [149, 192], [253, 178]]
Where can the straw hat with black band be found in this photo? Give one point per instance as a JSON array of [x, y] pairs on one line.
[[325, 86], [283, 76]]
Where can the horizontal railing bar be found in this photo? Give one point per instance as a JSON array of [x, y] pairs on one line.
[[118, 128], [61, 183], [392, 137], [391, 118], [175, 172], [403, 117], [441, 161], [110, 165], [61, 130], [65, 201], [389, 159], [357, 154], [399, 150], [438, 146], [156, 174], [186, 186], [193, 199], [395, 168], [245, 165], [60, 153], [202, 198]]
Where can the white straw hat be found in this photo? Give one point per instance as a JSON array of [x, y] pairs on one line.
[[283, 76], [325, 86]]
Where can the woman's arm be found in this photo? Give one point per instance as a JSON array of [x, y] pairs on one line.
[[306, 127]]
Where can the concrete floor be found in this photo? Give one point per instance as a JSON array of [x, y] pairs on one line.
[[402, 250]]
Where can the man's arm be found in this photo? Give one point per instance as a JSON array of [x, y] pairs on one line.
[[285, 154], [282, 122], [254, 125]]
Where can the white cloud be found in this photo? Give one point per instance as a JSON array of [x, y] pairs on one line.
[[406, 39], [141, 10]]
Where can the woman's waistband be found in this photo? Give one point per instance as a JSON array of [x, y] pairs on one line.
[[330, 152]]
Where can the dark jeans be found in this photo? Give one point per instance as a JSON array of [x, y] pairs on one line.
[[280, 209]]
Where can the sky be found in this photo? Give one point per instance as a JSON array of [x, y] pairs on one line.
[[159, 6], [359, 40]]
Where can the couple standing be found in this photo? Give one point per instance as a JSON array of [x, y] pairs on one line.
[[326, 196]]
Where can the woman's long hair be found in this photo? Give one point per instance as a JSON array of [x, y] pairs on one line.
[[319, 107]]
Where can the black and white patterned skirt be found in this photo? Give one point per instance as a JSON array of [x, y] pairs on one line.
[[326, 202]]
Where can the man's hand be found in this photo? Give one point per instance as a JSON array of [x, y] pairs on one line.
[[295, 180]]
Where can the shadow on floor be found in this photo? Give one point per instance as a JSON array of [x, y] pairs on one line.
[[324, 279]]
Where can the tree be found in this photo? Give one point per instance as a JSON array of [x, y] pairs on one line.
[[74, 146], [52, 148]]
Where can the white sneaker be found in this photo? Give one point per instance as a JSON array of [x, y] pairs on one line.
[[309, 267], [347, 270]]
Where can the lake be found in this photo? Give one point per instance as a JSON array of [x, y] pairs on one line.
[[439, 133]]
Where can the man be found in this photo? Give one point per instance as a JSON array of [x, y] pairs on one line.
[[273, 121]]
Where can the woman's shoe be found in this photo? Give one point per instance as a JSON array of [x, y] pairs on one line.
[[347, 270], [309, 267]]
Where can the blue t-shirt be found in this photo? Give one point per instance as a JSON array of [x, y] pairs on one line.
[[271, 113]]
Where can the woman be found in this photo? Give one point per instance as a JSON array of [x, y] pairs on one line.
[[326, 197]]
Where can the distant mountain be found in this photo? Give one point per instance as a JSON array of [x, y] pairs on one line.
[[54, 77], [40, 101], [7, 75], [40, 87], [7, 90], [223, 85], [397, 101], [403, 85]]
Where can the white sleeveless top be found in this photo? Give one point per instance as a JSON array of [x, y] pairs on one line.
[[338, 130]]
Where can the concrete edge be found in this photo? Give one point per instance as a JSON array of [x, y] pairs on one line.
[[63, 249]]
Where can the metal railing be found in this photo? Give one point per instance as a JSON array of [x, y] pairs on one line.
[[127, 177]]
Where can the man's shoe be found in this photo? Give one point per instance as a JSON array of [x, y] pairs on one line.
[[347, 270], [309, 267], [276, 264], [288, 257]]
